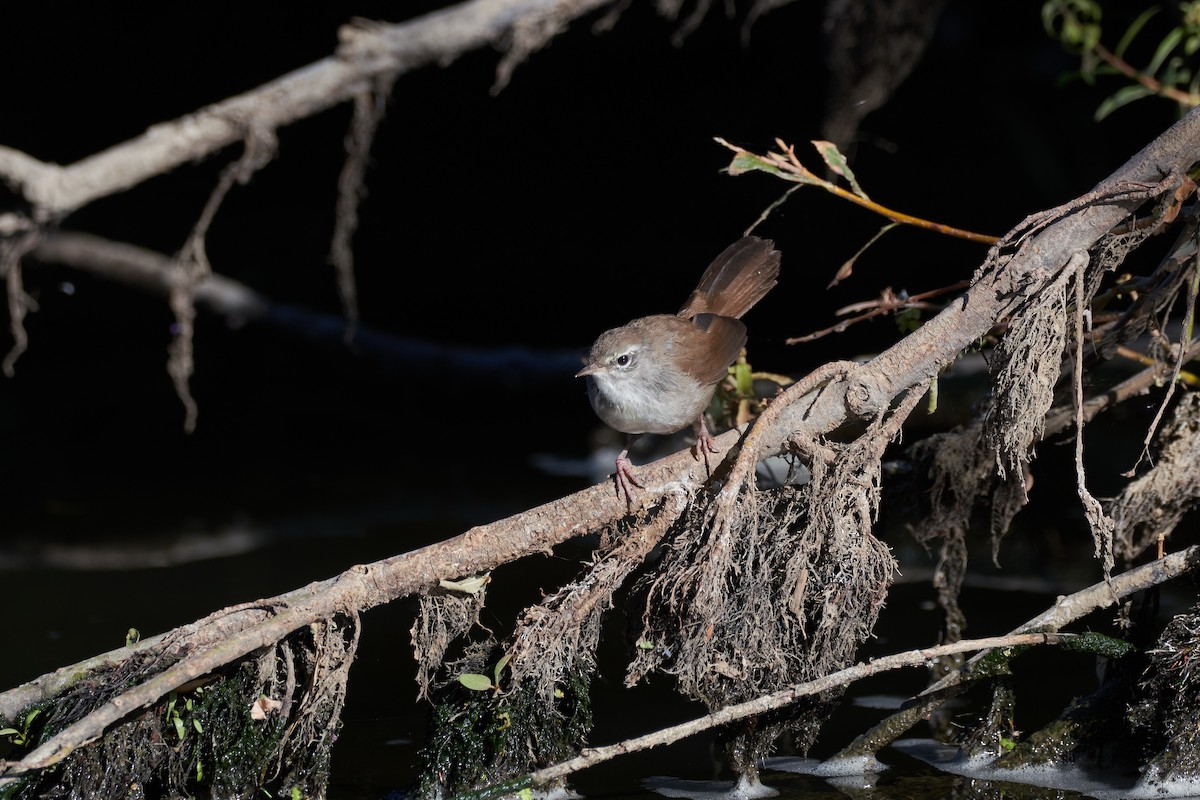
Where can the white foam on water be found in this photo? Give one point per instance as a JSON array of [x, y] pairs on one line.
[[834, 768], [1094, 783], [744, 789], [884, 702]]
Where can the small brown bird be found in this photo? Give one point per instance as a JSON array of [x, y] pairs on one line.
[[657, 374]]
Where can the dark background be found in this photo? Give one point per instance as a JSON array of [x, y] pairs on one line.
[[586, 193]]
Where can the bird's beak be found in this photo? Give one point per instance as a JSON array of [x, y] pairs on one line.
[[590, 369]]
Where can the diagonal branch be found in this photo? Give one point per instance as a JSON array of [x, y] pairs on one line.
[[365, 55]]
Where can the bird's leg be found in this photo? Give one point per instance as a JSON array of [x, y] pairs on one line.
[[704, 443], [623, 476]]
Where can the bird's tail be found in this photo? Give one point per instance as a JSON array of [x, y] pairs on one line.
[[736, 279]]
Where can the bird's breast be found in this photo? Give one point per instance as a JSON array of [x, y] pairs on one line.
[[661, 401]]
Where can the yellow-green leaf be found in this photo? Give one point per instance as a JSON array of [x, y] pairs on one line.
[[475, 682], [1121, 97], [837, 162], [500, 665]]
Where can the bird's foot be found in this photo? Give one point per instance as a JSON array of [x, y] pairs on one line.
[[704, 445], [624, 479]]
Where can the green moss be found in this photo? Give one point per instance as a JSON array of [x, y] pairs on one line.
[[1098, 644], [222, 752], [481, 743]]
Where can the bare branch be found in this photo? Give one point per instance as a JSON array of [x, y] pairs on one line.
[[366, 54]]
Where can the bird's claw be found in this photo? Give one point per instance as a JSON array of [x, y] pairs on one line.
[[704, 445], [624, 479]]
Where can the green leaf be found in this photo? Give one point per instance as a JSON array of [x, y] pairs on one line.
[[179, 729], [8, 731], [837, 162], [1134, 29], [1121, 97], [196, 724], [748, 162], [500, 665], [743, 378], [1164, 49], [475, 682], [132, 637], [645, 644]]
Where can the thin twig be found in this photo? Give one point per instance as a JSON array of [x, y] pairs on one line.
[[885, 304], [369, 108], [1189, 318], [1187, 99], [787, 166]]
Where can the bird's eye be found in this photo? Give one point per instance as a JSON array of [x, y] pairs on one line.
[[624, 359]]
